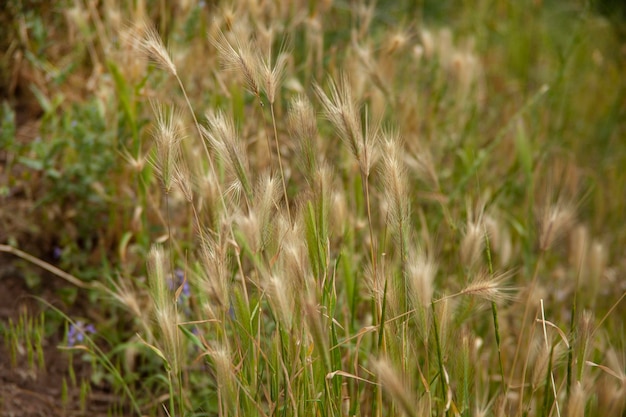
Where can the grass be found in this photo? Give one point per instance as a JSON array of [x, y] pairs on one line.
[[333, 210]]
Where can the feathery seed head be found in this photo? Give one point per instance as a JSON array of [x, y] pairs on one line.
[[223, 137], [375, 282], [418, 52], [130, 39], [301, 118], [293, 258], [393, 173], [369, 69], [499, 239], [224, 376], [228, 15], [282, 297], [215, 276], [444, 46], [124, 293], [316, 328], [467, 71], [422, 270], [539, 358], [490, 287], [167, 136], [208, 190], [342, 111], [473, 242], [396, 42], [137, 163], [556, 213], [270, 75], [598, 258], [164, 307], [365, 16], [151, 45], [238, 55], [303, 125], [585, 330], [248, 227], [421, 163], [339, 210], [314, 35], [182, 178], [157, 278], [169, 125], [258, 226], [578, 248], [266, 198], [395, 384], [428, 43], [322, 183], [555, 219], [371, 152], [576, 401]]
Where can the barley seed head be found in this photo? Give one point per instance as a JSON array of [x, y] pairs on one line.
[[152, 47], [422, 270]]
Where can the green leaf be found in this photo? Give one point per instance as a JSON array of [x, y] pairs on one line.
[[523, 149], [33, 164]]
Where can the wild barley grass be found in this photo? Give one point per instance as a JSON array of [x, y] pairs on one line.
[[402, 240], [272, 280]]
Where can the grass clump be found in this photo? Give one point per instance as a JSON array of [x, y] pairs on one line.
[[347, 212]]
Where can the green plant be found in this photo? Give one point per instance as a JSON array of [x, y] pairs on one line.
[[396, 215], [24, 341]]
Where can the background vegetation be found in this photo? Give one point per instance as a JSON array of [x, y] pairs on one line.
[[320, 208]]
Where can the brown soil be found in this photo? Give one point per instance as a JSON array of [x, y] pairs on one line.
[[24, 391]]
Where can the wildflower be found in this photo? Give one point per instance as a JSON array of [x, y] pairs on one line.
[[174, 283], [57, 252], [77, 332]]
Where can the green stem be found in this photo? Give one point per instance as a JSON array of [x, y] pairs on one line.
[[494, 313], [280, 162], [439, 355]]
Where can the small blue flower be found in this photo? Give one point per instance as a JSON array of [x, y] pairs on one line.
[[56, 253], [77, 332], [180, 274], [178, 280]]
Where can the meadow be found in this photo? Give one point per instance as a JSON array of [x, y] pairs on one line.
[[321, 208]]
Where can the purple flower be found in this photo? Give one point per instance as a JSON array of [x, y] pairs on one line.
[[77, 332], [56, 253], [175, 282]]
